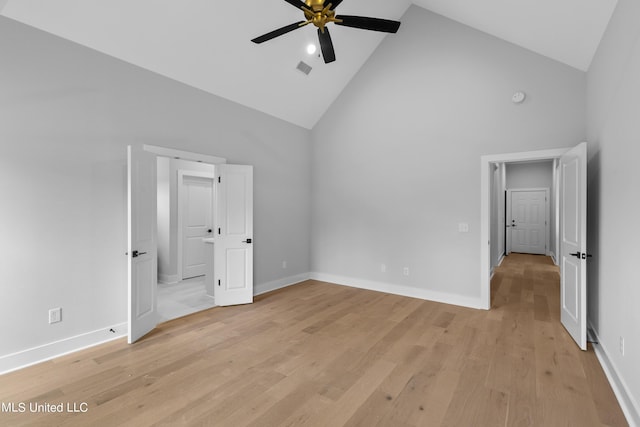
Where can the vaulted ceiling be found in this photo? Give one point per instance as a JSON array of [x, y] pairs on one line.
[[206, 44]]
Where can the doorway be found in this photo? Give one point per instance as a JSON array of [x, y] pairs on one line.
[[231, 249], [489, 165], [195, 221], [570, 185], [527, 225], [185, 212]]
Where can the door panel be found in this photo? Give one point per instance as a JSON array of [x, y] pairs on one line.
[[141, 244], [237, 219], [236, 268], [233, 248], [570, 291], [573, 240]]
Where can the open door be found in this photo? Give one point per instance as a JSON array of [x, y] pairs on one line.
[[142, 249], [573, 243], [233, 248]]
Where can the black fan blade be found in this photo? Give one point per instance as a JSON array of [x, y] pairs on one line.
[[334, 3], [296, 3], [275, 33], [326, 45], [365, 23]]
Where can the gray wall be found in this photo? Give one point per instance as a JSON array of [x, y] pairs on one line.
[[67, 114], [530, 175], [613, 199], [396, 159]]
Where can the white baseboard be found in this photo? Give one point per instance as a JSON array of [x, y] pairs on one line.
[[629, 406], [402, 290], [262, 288], [493, 268], [553, 257], [168, 279], [32, 356]]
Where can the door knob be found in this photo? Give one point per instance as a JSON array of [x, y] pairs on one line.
[[246, 241], [135, 254], [577, 255], [209, 231]]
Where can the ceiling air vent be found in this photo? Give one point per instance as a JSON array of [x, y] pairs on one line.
[[305, 68]]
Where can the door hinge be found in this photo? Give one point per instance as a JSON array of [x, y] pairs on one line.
[[219, 181], [218, 282], [219, 230]]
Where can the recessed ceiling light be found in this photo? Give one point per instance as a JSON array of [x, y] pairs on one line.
[[311, 49]]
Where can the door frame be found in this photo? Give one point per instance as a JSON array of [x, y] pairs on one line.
[[547, 217], [180, 196], [485, 208]]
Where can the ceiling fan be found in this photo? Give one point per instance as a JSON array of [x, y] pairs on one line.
[[322, 12]]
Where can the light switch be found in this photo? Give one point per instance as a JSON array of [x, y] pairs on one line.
[[463, 227]]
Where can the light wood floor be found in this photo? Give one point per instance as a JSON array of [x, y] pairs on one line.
[[182, 298], [325, 355]]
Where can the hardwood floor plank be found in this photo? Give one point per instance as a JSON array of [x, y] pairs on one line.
[[317, 354], [601, 391]]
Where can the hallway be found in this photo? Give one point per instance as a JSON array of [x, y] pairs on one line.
[[555, 379]]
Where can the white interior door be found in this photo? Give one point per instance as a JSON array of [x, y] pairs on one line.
[[573, 243], [233, 248], [142, 246], [528, 222], [196, 218]]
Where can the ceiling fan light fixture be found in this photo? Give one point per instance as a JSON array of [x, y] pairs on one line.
[[322, 12], [311, 48]]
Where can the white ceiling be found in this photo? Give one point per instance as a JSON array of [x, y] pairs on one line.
[[568, 31], [206, 44]]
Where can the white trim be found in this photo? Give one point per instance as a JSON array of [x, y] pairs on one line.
[[498, 264], [42, 353], [556, 213], [273, 285], [168, 279], [22, 359], [180, 193], [184, 155], [629, 406], [485, 209], [406, 291]]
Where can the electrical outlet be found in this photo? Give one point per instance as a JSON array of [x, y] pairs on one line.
[[284, 264], [463, 227], [622, 345], [383, 268], [55, 315], [405, 271]]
